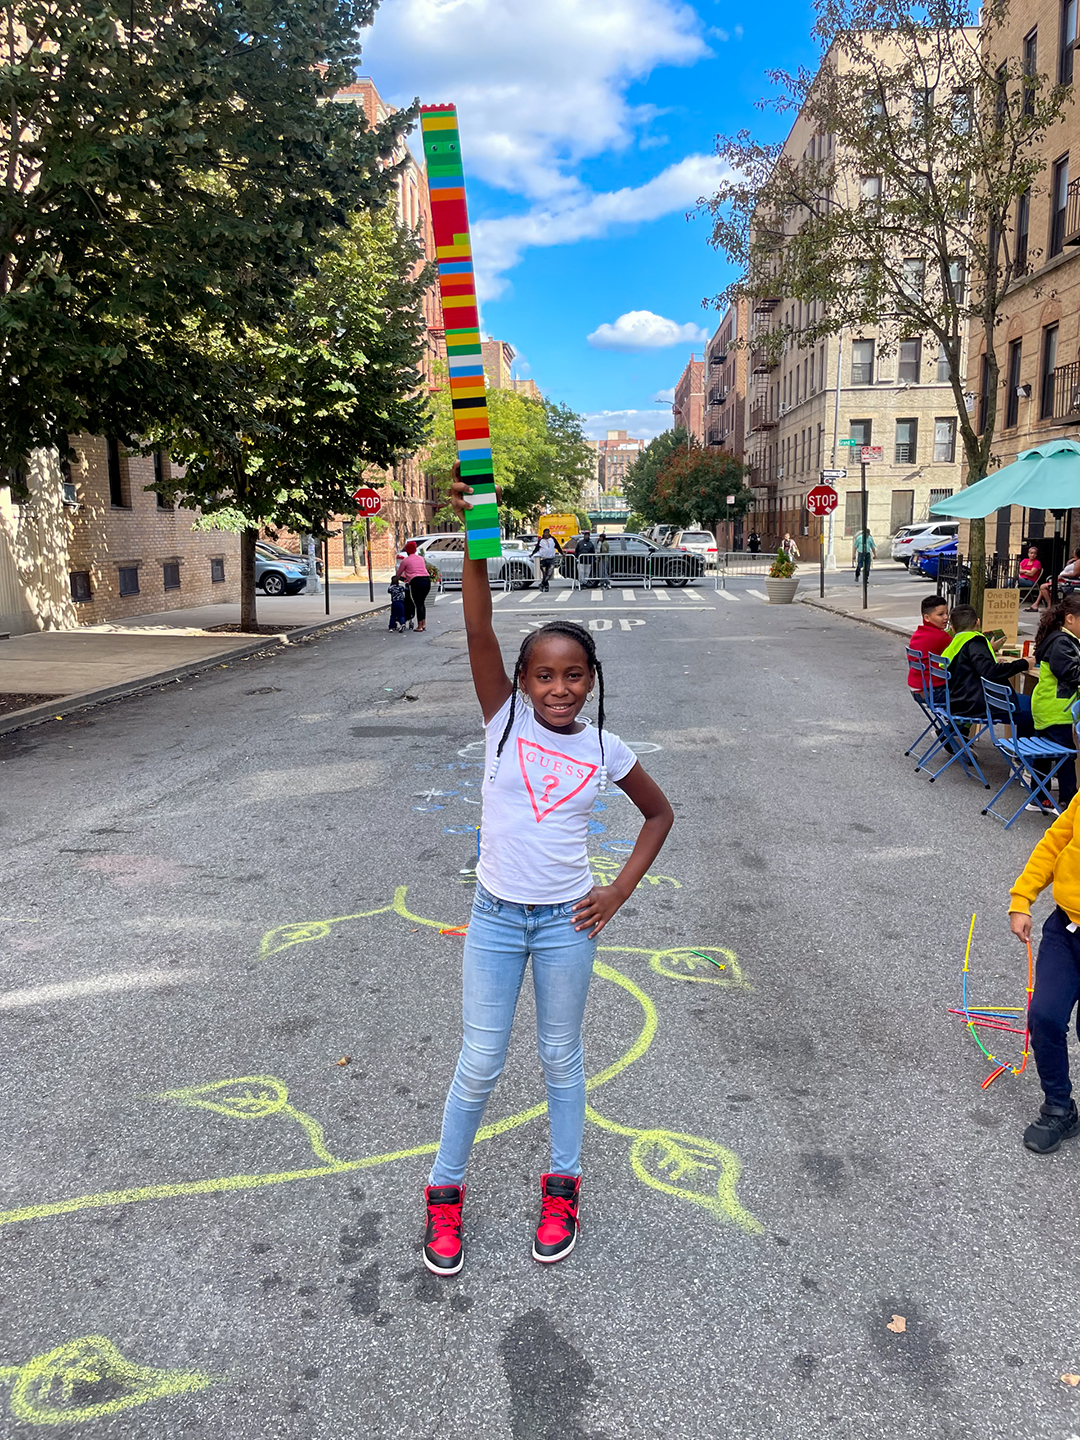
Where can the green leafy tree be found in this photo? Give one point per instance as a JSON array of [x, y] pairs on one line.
[[694, 487], [949, 124], [329, 390], [539, 454], [639, 482], [167, 174]]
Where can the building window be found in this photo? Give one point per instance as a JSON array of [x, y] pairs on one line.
[[80, 586], [1068, 41], [129, 579], [910, 364], [860, 431], [1031, 69], [914, 278], [1012, 399], [1059, 198], [945, 443], [862, 362], [217, 571], [870, 188], [984, 394], [159, 480], [903, 510], [944, 369], [170, 573], [922, 105], [907, 442], [1023, 223], [1049, 365], [116, 476], [956, 281], [852, 511], [936, 495]]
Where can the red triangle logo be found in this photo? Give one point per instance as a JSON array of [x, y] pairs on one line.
[[551, 778]]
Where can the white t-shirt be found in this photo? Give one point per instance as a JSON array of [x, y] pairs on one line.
[[536, 811]]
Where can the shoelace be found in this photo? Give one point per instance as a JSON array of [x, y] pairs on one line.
[[444, 1219], [558, 1209]]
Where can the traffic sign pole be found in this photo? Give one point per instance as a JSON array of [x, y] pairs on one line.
[[866, 567], [367, 547]]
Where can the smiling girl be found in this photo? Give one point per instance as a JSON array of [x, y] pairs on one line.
[[544, 768]]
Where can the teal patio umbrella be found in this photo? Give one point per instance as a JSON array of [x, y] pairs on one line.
[[1047, 477]]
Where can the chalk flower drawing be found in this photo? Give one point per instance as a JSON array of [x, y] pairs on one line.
[[86, 1379]]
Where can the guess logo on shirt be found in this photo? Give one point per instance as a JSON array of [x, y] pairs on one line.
[[551, 778]]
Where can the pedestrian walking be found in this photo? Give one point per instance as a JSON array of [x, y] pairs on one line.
[[547, 547], [535, 899], [412, 571], [604, 550], [397, 593], [863, 550], [753, 544], [788, 546], [584, 552]]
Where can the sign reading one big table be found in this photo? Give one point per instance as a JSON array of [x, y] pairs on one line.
[[457, 286]]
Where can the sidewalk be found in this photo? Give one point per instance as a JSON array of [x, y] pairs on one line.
[[892, 604], [57, 671]]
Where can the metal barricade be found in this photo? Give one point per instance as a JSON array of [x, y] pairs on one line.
[[621, 567], [741, 562]]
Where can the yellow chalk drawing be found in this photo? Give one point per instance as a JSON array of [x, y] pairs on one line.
[[86, 1379], [686, 1158], [252, 1097], [606, 867], [684, 964]]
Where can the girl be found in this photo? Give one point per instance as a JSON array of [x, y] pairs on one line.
[[1057, 650], [534, 897], [413, 572]]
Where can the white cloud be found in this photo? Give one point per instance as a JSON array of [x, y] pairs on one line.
[[641, 424], [664, 397], [642, 330], [539, 86], [498, 244]]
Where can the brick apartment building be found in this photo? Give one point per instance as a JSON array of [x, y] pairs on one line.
[[688, 402], [614, 455], [725, 381]]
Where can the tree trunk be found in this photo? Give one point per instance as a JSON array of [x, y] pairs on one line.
[[977, 562], [248, 617]]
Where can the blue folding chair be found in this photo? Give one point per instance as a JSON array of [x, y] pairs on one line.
[[1019, 753], [925, 700], [952, 726]]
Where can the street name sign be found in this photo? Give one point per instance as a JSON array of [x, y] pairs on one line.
[[850, 442], [368, 500], [821, 500]]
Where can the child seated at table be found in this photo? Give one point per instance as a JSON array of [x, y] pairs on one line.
[[971, 660], [931, 638]]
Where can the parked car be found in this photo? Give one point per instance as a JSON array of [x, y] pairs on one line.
[[513, 566], [926, 562], [279, 571], [698, 542], [632, 557], [923, 536], [283, 553], [659, 534]]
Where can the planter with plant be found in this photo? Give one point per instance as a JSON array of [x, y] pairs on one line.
[[781, 581]]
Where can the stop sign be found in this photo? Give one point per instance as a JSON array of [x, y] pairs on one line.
[[368, 500], [821, 500]]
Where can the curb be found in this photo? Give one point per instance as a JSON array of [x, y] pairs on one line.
[[87, 699], [882, 625]]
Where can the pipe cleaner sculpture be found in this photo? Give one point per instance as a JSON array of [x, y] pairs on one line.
[[457, 286], [996, 1017]]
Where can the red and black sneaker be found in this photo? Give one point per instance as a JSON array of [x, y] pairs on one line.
[[557, 1232], [443, 1251]]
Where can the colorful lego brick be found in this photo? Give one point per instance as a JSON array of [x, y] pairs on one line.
[[457, 286]]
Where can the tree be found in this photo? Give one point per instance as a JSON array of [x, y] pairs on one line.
[[694, 486], [330, 389], [922, 141], [639, 482], [540, 458], [168, 172]]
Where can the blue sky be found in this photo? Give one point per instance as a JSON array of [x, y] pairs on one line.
[[588, 131]]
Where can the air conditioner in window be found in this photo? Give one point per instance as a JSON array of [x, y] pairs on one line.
[[780, 473], [71, 496]]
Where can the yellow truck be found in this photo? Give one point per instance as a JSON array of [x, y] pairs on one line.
[[563, 527]]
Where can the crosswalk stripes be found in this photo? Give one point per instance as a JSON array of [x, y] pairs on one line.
[[759, 593], [727, 595]]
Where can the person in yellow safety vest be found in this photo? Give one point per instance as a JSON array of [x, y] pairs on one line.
[[1057, 651], [970, 659]]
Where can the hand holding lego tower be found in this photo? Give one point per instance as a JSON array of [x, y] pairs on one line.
[[457, 285]]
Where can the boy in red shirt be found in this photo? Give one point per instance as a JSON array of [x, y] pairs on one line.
[[931, 637]]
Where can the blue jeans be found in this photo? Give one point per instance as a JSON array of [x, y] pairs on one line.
[[1057, 988], [499, 941]]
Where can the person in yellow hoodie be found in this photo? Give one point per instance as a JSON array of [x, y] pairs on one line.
[[1055, 859]]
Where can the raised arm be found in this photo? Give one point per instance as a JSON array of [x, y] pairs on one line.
[[490, 680]]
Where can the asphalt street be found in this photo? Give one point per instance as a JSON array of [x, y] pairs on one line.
[[217, 892]]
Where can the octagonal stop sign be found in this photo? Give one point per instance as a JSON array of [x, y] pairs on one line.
[[821, 500], [368, 500]]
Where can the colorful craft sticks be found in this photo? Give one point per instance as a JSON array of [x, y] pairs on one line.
[[996, 1017], [457, 285]]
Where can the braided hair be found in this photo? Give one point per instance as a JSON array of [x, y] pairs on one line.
[[572, 631], [1054, 617]]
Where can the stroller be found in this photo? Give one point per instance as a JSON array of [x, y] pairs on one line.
[[396, 592]]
